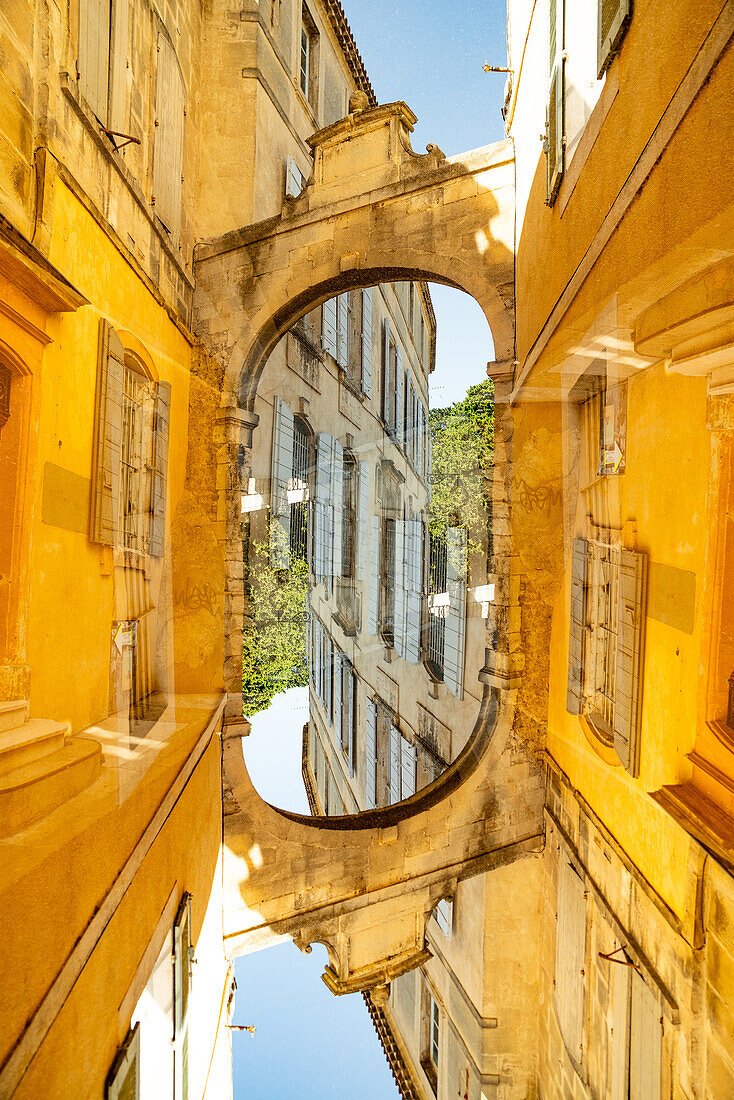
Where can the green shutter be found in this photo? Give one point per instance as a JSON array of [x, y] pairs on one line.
[[628, 678], [577, 625], [107, 437], [613, 19], [157, 529]]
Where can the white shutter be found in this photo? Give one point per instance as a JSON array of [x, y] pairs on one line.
[[413, 589], [399, 395], [455, 630], [645, 1042], [363, 504], [328, 327], [628, 682], [373, 606], [444, 913], [281, 472], [321, 509], [399, 582], [570, 952], [421, 456], [554, 135], [408, 758], [337, 495], [370, 760], [94, 54], [169, 135], [577, 626], [613, 17], [293, 179], [181, 989], [338, 718], [117, 117], [328, 676], [386, 385], [621, 976], [394, 763], [342, 330], [367, 341]]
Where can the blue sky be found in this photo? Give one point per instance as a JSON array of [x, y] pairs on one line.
[[308, 1043]]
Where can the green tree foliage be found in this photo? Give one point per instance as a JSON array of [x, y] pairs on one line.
[[462, 437], [274, 646]]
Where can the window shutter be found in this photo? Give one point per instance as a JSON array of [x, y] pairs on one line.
[[577, 625], [453, 666], [373, 608], [613, 19], [321, 510], [342, 341], [328, 327], [367, 341], [182, 987], [399, 582], [555, 137], [293, 179], [337, 491], [407, 767], [351, 719], [338, 716], [363, 504], [386, 385], [94, 54], [628, 681], [157, 527], [399, 395], [370, 759], [570, 952], [123, 1081], [621, 976], [329, 677], [107, 437], [118, 66], [645, 1042], [394, 763], [281, 471], [444, 913], [413, 592], [169, 134]]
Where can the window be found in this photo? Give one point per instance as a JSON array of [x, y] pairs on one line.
[[430, 1036], [636, 1039], [169, 135], [309, 58], [570, 956], [130, 451], [391, 364], [605, 643], [136, 461], [299, 494], [102, 61], [349, 514]]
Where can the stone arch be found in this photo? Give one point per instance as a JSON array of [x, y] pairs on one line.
[[402, 216]]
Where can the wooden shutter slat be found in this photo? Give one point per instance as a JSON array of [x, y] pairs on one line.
[[394, 742], [366, 341], [157, 526], [386, 387], [281, 472], [399, 394], [94, 54], [399, 583], [117, 117], [338, 714], [105, 497], [645, 1057], [343, 314], [577, 627], [621, 976], [628, 682], [407, 767], [570, 955], [337, 490]]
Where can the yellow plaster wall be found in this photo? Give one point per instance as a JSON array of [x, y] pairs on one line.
[[72, 604]]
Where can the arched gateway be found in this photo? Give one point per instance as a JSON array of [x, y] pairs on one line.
[[373, 210]]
